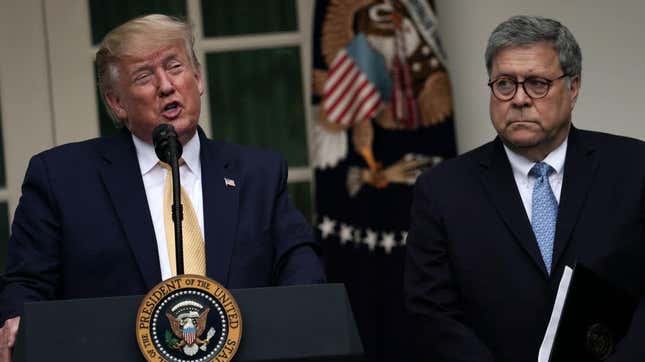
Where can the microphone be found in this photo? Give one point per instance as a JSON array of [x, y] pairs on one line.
[[168, 149]]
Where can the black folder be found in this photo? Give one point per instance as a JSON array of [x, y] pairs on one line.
[[594, 316]]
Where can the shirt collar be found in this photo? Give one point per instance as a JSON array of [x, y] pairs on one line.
[[148, 158], [191, 155], [523, 165]]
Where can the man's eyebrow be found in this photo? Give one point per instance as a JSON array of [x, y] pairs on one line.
[[146, 65], [141, 67], [514, 76], [503, 75], [169, 57]]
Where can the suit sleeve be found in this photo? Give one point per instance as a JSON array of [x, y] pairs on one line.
[[33, 259], [297, 259], [432, 298]]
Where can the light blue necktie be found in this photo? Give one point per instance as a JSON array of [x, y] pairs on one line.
[[544, 211]]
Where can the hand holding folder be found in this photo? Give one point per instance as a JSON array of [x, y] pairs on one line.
[[590, 316]]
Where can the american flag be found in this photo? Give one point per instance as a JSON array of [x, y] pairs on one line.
[[355, 80], [229, 182]]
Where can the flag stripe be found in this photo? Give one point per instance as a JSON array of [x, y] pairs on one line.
[[370, 107], [352, 102], [332, 82], [352, 117], [346, 88], [366, 103], [338, 62], [340, 76], [337, 88], [339, 109], [348, 96]]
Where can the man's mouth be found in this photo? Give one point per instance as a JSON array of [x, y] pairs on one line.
[[171, 110], [520, 121]]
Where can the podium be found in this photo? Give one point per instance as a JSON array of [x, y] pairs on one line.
[[312, 323]]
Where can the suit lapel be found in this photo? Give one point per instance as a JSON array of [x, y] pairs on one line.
[[220, 206], [499, 183], [122, 178], [579, 169]]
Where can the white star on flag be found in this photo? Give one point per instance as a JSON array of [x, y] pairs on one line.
[[388, 242], [404, 237], [370, 239], [345, 233], [327, 227]]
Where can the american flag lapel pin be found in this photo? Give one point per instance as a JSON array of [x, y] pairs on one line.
[[229, 182]]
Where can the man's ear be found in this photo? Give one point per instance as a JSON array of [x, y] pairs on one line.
[[114, 102], [200, 81], [574, 88]]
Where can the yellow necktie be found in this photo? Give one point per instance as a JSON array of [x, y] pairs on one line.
[[193, 241]]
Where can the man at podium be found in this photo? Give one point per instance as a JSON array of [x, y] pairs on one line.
[[93, 219], [492, 230]]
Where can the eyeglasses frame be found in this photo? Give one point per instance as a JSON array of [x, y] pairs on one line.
[[523, 83]]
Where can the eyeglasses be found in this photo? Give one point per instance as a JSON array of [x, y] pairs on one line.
[[504, 88]]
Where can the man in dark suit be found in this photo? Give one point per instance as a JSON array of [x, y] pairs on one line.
[[90, 222], [493, 229]]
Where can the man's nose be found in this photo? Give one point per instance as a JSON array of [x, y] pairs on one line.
[[521, 99], [166, 86]]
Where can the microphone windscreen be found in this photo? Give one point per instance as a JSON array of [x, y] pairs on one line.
[[165, 140]]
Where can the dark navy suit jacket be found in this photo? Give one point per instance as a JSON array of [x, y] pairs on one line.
[[83, 227], [475, 280]]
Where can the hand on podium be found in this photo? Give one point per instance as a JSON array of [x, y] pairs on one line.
[[8, 334]]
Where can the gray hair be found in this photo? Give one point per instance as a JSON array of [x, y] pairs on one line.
[[138, 36], [527, 30]]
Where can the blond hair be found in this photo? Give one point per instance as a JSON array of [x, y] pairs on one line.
[[139, 36]]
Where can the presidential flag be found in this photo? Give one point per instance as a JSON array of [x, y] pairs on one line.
[[383, 114]]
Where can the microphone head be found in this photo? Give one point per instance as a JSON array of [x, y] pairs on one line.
[[165, 141]]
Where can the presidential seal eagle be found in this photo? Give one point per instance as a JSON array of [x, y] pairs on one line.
[[189, 328]]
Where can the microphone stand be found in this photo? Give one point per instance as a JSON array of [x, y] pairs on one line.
[[177, 207], [168, 149]]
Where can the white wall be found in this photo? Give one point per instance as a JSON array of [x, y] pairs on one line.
[[612, 38]]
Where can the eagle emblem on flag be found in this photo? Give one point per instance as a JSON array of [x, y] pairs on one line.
[[383, 70]]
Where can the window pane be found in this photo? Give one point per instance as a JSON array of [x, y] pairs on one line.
[[225, 17], [106, 15], [4, 234], [256, 99], [300, 195]]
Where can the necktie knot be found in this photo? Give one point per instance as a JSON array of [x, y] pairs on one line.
[[167, 166], [541, 169]]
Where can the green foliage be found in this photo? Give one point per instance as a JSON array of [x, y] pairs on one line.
[[170, 339]]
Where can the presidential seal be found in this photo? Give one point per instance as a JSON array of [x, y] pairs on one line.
[[189, 318], [599, 341]]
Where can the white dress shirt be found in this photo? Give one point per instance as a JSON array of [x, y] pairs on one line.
[[154, 178], [525, 182]]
